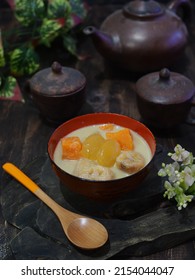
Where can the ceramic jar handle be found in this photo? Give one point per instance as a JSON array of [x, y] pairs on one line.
[[56, 67], [164, 74]]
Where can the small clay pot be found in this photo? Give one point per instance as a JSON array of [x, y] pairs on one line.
[[59, 92], [164, 98]]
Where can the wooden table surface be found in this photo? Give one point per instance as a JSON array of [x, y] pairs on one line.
[[24, 134]]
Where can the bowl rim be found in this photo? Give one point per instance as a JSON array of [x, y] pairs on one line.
[[100, 114]]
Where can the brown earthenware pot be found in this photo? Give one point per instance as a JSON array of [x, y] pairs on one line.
[[59, 92], [144, 35], [164, 98]]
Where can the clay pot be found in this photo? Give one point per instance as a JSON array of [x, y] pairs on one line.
[[59, 92], [143, 36], [164, 98]]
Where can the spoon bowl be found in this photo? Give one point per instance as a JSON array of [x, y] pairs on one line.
[[84, 232]]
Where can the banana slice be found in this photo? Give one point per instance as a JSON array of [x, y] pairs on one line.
[[88, 169], [130, 161]]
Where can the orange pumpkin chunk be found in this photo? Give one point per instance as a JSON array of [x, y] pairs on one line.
[[123, 137], [71, 147], [107, 126]]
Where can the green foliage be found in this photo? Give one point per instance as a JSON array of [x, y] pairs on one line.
[[2, 58], [7, 88], [70, 44], [49, 30], [27, 12], [40, 22], [59, 9], [78, 8], [23, 61]]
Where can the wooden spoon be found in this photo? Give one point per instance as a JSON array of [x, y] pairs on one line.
[[84, 232]]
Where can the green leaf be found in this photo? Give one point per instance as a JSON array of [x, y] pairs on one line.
[[70, 44], [7, 89], [49, 30], [23, 61], [10, 90], [78, 8], [2, 58], [29, 11], [58, 9]]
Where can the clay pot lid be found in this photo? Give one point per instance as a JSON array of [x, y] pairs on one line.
[[165, 87], [57, 80], [140, 8]]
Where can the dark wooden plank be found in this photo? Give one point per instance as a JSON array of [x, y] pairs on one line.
[[160, 227]]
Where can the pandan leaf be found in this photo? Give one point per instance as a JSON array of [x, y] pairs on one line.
[[49, 30], [58, 9], [29, 11], [23, 61], [9, 89], [2, 58]]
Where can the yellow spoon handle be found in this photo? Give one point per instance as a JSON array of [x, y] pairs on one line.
[[20, 176], [30, 185], [34, 188]]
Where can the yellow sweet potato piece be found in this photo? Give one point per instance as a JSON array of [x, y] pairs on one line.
[[71, 147], [107, 126], [123, 137]]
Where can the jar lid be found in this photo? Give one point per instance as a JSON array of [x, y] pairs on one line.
[[165, 87], [141, 8], [57, 80]]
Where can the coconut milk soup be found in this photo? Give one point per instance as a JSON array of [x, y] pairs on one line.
[[140, 146]]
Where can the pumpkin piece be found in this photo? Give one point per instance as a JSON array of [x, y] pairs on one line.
[[71, 147], [107, 126], [123, 137]]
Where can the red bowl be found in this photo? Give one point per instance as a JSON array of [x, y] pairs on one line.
[[100, 190]]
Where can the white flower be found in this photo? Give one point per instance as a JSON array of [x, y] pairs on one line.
[[170, 190], [187, 176], [181, 155], [181, 176], [170, 170]]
